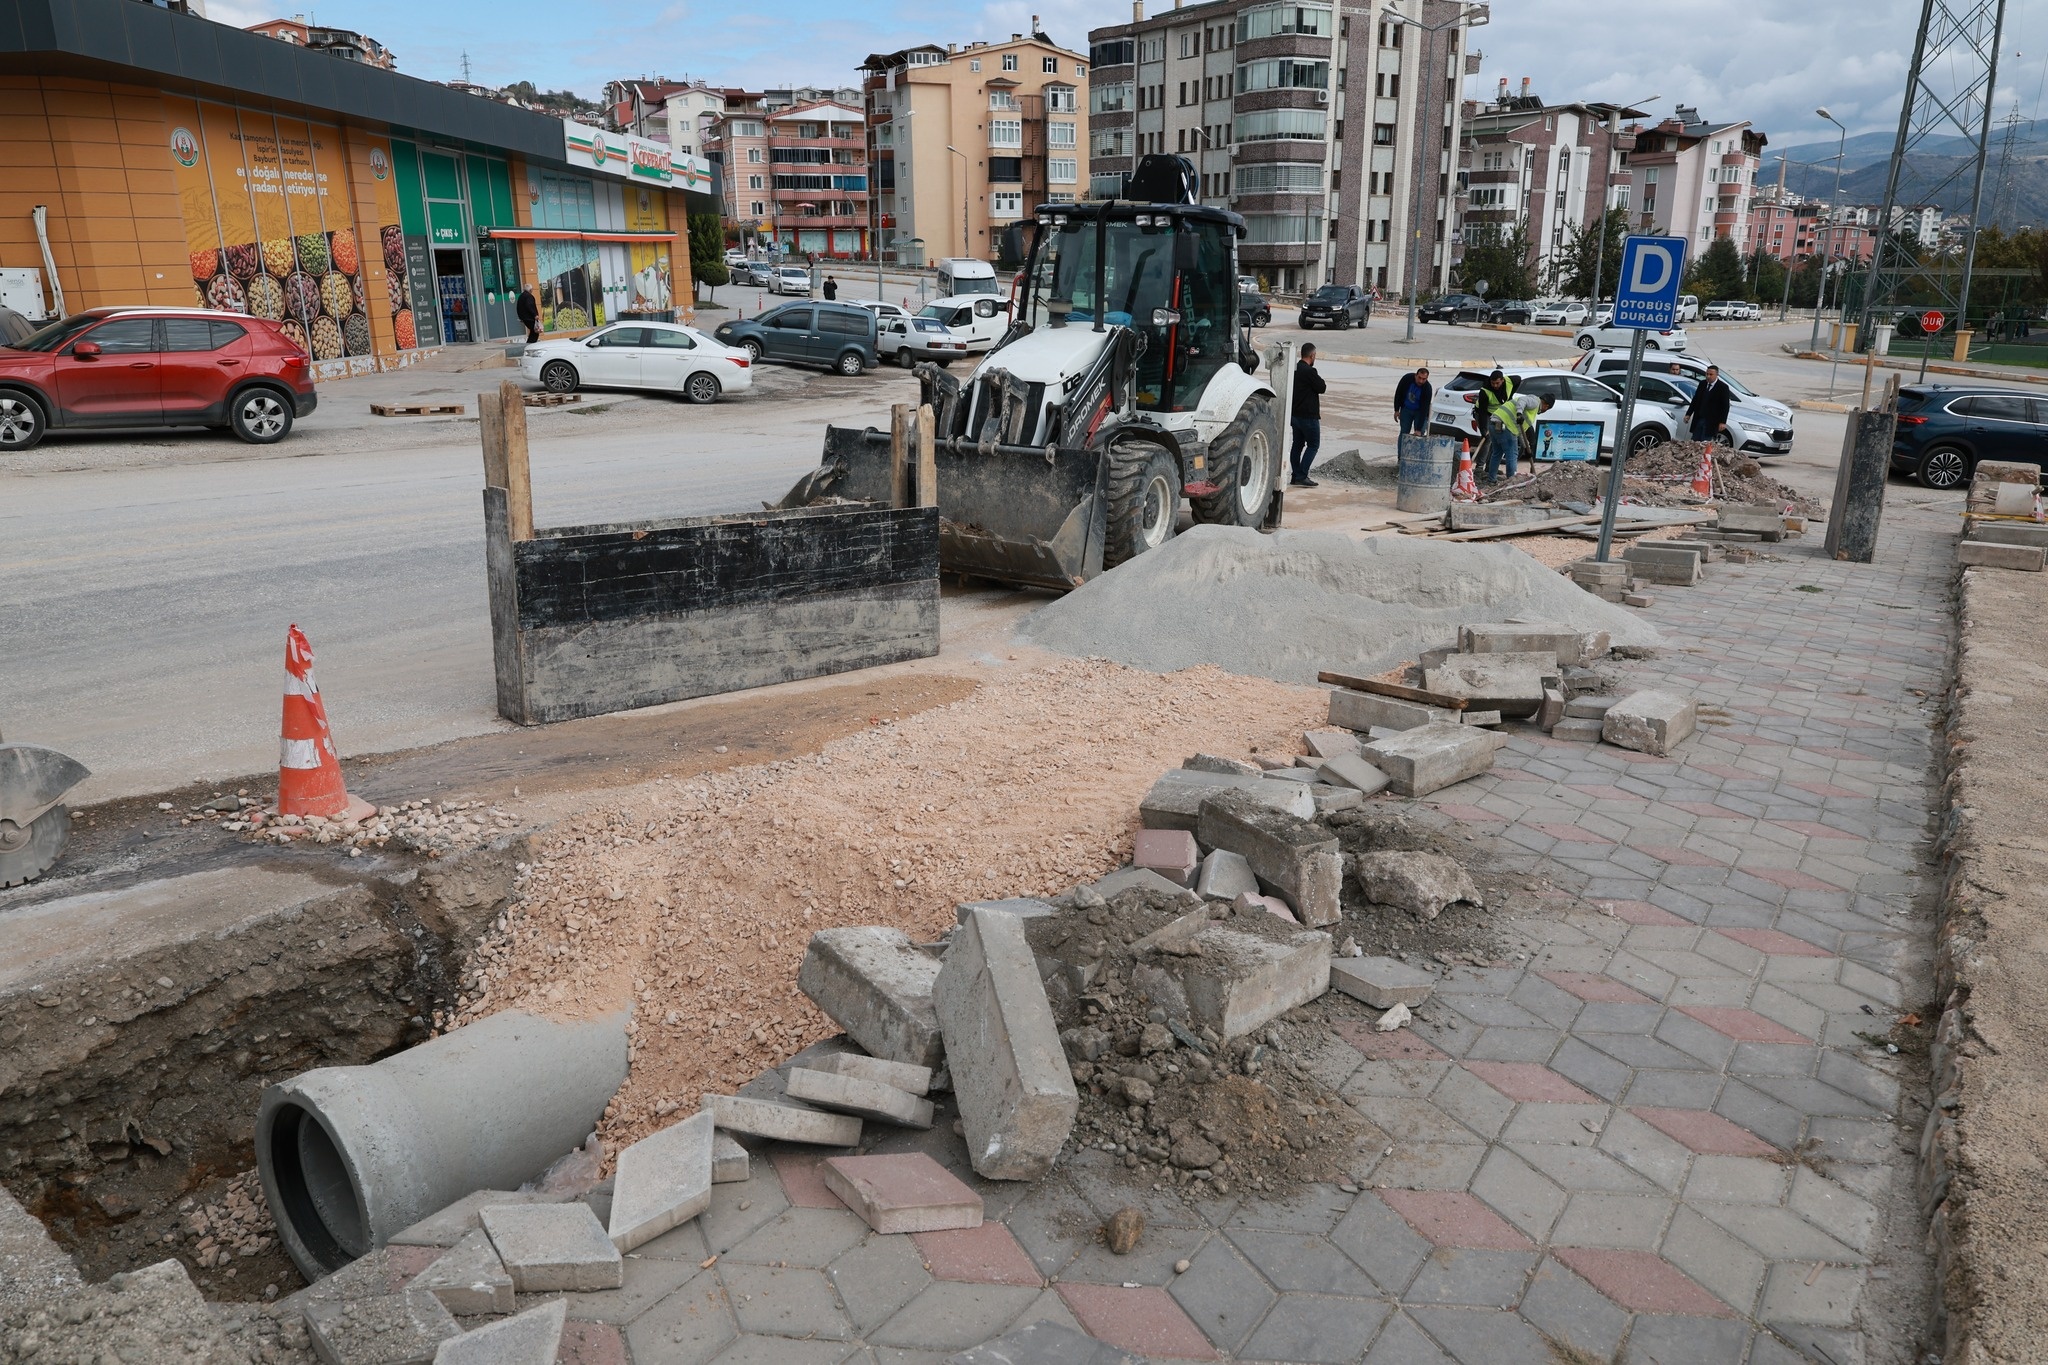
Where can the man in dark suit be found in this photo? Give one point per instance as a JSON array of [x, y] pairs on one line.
[[1708, 410]]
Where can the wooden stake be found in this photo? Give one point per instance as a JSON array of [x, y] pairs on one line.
[[490, 423], [927, 458], [518, 478], [899, 455], [1394, 690]]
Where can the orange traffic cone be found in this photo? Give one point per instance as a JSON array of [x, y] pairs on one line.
[[1703, 477], [308, 770], [1466, 489]]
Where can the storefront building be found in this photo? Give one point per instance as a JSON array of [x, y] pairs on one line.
[[371, 214]]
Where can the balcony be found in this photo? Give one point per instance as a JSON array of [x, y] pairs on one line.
[[778, 138], [1735, 158]]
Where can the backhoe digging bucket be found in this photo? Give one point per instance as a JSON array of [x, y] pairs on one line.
[[1030, 515]]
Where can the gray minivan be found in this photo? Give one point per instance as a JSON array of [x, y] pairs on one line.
[[836, 336]]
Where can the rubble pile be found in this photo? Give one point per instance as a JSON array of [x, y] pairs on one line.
[[434, 828], [234, 1224], [1658, 477]]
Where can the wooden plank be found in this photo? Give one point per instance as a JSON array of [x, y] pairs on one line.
[[518, 478], [551, 400], [1394, 690], [1519, 528], [927, 458], [491, 430], [900, 455]]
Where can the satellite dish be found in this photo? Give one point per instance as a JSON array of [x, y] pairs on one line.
[[1480, 288]]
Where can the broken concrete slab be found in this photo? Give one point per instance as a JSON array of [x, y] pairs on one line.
[[1486, 717], [1244, 980], [873, 983], [1382, 982], [1431, 757], [1140, 878], [662, 1181], [856, 1095], [548, 1247], [1224, 875], [1571, 647], [1330, 743], [1296, 773], [1588, 708], [1356, 772], [1173, 934], [783, 1122], [912, 1080], [1010, 1074], [1175, 801], [1251, 904], [530, 1338], [1169, 852], [1985, 554], [1024, 907], [389, 1329], [1670, 564], [447, 1227], [1363, 711], [1295, 859], [902, 1192], [1212, 763], [1552, 711], [469, 1278], [1418, 882], [1578, 731], [2005, 532], [1493, 682], [1330, 798], [730, 1162], [1761, 519], [1650, 721]]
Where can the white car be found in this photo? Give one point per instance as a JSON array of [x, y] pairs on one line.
[[1559, 313], [1454, 411], [1594, 337], [789, 279], [660, 356], [1688, 308], [980, 320], [883, 311], [1611, 369], [908, 340]]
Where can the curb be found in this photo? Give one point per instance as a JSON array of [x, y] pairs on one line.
[[1821, 405]]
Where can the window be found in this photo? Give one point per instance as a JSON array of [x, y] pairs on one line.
[[1050, 66], [622, 336], [1266, 124], [1266, 21], [1117, 52], [755, 208], [1283, 73], [844, 323], [1282, 229], [1059, 99], [1009, 61], [1005, 132], [668, 338], [1279, 177], [1190, 45], [1997, 407], [1001, 99], [753, 182], [974, 63], [1650, 176], [1383, 135], [791, 319], [1059, 135], [754, 155], [1108, 142], [1110, 186], [124, 336], [1009, 169], [1080, 69], [1062, 170], [197, 334], [1006, 204], [1113, 97]]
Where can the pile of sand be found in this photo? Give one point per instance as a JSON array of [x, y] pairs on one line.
[[1286, 605]]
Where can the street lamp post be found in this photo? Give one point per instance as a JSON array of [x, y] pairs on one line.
[[1606, 193], [1841, 148], [1467, 16], [966, 186]]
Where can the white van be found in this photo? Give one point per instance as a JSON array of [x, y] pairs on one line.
[[1688, 308], [977, 319], [965, 275]]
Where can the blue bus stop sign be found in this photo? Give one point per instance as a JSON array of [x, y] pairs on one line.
[[1651, 270]]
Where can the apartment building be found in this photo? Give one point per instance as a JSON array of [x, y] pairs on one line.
[[795, 166], [1783, 228], [680, 114], [344, 43], [1696, 179], [1301, 117], [968, 140], [1556, 167]]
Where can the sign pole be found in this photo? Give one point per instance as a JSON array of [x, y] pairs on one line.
[[1621, 444]]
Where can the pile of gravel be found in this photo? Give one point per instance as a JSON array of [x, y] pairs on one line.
[[1283, 606]]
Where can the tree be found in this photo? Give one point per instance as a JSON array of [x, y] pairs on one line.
[[1718, 273], [1499, 255], [1767, 277], [707, 251], [1573, 263]]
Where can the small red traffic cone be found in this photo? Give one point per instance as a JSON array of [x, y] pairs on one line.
[[308, 769], [1703, 477], [1466, 488]]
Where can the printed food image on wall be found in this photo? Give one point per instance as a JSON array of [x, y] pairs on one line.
[[395, 284]]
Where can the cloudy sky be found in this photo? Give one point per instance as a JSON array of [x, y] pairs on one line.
[[1771, 63]]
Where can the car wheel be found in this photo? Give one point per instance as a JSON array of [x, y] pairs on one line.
[[1643, 438], [261, 416], [1944, 467], [1264, 319], [1586, 343], [1343, 322], [906, 359], [702, 387], [558, 376], [21, 422], [753, 349], [850, 364]]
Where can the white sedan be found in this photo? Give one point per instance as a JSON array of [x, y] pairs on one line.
[[1559, 313], [1606, 334], [662, 356]]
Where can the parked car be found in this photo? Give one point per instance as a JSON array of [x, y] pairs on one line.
[[1595, 335], [755, 273], [907, 340], [661, 357], [1561, 313], [1455, 409], [1338, 306], [836, 336], [1253, 308], [790, 279], [1750, 428], [1453, 308], [154, 367], [882, 311], [1688, 308], [1945, 429], [980, 320], [1721, 310], [1611, 368], [1510, 310], [14, 328], [735, 256]]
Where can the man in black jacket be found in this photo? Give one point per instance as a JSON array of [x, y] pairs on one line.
[[1708, 409], [1306, 417], [529, 314], [1411, 401]]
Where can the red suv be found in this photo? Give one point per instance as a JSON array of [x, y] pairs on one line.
[[154, 367]]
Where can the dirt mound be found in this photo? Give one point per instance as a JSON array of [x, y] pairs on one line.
[[1352, 467], [1659, 477]]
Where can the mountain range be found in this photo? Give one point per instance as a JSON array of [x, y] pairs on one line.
[[1866, 158]]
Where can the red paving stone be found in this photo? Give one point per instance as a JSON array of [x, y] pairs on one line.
[[403, 1262], [1530, 1082], [801, 1180], [1594, 988], [591, 1343], [1452, 1218], [902, 1192], [1607, 793], [988, 1254], [1705, 1132], [1824, 789], [1145, 1319], [1642, 1282], [1399, 1046], [1642, 912], [1774, 941], [1791, 879], [1814, 830], [1572, 834], [1744, 1026], [1677, 857]]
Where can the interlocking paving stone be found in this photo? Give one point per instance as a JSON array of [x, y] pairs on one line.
[[989, 1254], [1381, 1242], [1145, 1320], [1476, 1279], [1453, 1219], [1223, 1295], [1686, 1341], [1299, 1261], [878, 1276], [1640, 1281], [1590, 986], [1571, 1312], [1478, 1338], [1527, 1083], [1316, 1329]]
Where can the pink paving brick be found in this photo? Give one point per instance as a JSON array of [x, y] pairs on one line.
[[404, 1262], [1791, 879], [1813, 829], [1470, 813], [1642, 1282], [1572, 834], [1642, 912], [1171, 853], [1824, 789], [1607, 793], [802, 1181], [1452, 1218], [988, 1254], [1594, 988], [1145, 1320], [902, 1192], [591, 1343], [1399, 1046], [1705, 1132], [1707, 810], [1677, 857], [1744, 1026], [1775, 942], [1529, 1083]]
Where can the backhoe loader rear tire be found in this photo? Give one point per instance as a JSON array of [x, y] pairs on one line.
[[1241, 461], [1144, 501]]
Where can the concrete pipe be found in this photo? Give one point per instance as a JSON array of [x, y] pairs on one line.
[[351, 1155]]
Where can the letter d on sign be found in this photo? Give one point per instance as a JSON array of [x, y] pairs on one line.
[[1650, 258]]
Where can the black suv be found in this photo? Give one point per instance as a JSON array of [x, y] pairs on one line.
[[1510, 310], [1253, 310], [1336, 305], [1944, 429], [1453, 308]]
